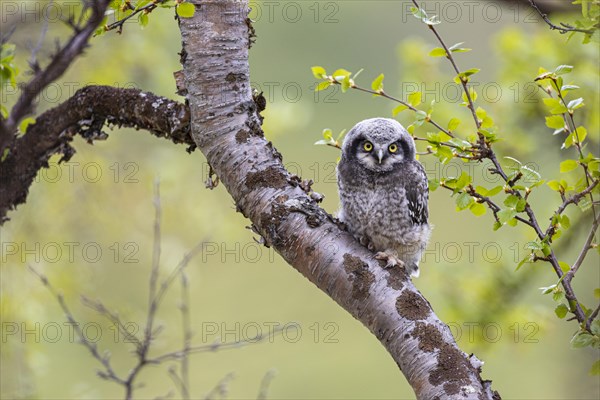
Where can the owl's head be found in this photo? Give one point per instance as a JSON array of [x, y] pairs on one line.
[[378, 144]]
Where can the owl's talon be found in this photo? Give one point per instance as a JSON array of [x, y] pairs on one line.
[[391, 258]]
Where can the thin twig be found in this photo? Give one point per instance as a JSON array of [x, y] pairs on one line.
[[221, 387], [187, 335], [407, 105], [586, 247], [463, 81], [108, 373], [264, 385], [565, 28], [209, 348], [148, 8], [33, 63]]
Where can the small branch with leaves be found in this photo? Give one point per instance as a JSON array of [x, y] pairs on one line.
[[567, 28], [142, 9], [518, 180]]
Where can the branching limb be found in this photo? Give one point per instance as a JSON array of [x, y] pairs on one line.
[[84, 114], [58, 65]]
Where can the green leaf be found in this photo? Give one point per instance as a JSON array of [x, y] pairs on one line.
[[511, 201], [548, 289], [494, 191], [561, 311], [25, 124], [582, 339], [595, 327], [564, 266], [566, 88], [580, 134], [529, 175], [555, 122], [555, 106], [563, 69], [418, 12], [437, 52], [575, 104], [7, 52], [422, 15], [414, 99], [327, 134], [453, 124], [377, 84], [478, 209], [322, 86], [565, 222], [533, 245], [471, 71], [597, 293], [555, 185], [444, 154], [346, 83], [507, 214], [514, 160], [473, 95], [558, 295], [457, 49], [186, 10], [143, 19], [340, 74], [319, 72], [568, 165], [463, 201], [434, 184], [398, 109], [420, 116], [464, 76], [460, 143]]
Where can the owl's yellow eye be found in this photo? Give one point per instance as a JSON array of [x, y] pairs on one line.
[[368, 146], [393, 148]]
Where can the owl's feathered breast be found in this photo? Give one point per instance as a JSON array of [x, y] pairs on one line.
[[385, 209]]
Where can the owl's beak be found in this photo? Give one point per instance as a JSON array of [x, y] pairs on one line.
[[380, 155]]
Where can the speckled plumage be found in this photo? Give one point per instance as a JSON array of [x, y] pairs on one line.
[[384, 194]]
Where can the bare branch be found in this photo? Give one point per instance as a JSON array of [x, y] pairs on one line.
[[108, 372], [586, 247], [264, 385]]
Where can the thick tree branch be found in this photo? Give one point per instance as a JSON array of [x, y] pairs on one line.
[[85, 114], [226, 127]]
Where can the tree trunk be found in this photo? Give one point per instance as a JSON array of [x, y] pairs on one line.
[[226, 127]]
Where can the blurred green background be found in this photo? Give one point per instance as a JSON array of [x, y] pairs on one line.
[[100, 205]]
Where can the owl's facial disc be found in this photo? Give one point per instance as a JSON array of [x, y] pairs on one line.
[[380, 156]]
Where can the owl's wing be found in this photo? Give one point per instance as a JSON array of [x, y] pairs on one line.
[[417, 195]]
